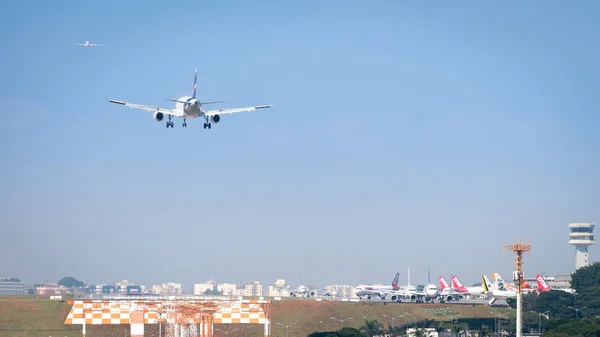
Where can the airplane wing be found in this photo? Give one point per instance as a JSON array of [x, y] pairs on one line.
[[230, 111], [149, 108], [95, 44], [79, 44]]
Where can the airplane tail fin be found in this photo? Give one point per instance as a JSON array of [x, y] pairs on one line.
[[395, 281], [500, 284], [443, 283], [195, 78], [484, 284], [542, 285], [457, 284], [525, 284]]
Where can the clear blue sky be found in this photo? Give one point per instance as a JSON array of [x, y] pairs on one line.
[[404, 135]]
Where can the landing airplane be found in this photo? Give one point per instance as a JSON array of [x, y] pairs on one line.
[[87, 44], [189, 107]]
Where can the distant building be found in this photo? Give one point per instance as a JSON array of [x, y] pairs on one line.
[[52, 289], [108, 289], [167, 289], [253, 288], [341, 290], [127, 287], [581, 236], [201, 288], [11, 287], [278, 290], [229, 289]]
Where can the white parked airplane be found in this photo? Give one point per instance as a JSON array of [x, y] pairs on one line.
[[492, 291], [379, 290], [473, 291], [87, 44], [189, 107], [430, 292], [302, 291]]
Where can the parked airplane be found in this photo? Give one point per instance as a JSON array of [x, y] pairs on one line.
[[447, 292], [494, 292], [87, 44], [302, 291], [429, 293], [189, 107], [543, 285], [473, 291], [377, 290], [500, 284]]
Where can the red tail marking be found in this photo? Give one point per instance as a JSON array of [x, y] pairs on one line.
[[458, 285], [542, 285], [443, 283], [395, 282]]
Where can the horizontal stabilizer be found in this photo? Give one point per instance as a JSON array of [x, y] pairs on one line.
[[183, 102], [176, 101]]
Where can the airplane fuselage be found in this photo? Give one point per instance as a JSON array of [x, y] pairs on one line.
[[191, 107]]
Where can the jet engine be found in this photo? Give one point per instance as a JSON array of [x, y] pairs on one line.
[[449, 298], [413, 297], [394, 298], [159, 116], [215, 118]]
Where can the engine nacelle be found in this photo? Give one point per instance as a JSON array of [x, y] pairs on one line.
[[413, 297], [460, 297], [449, 298], [159, 116], [215, 118], [394, 297], [292, 294]]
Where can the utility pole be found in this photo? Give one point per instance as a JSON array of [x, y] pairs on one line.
[[287, 327], [519, 248]]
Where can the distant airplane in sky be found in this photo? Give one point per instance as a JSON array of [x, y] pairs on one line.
[[189, 107], [87, 44]]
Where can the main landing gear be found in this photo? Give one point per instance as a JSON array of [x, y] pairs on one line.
[[207, 124], [184, 124], [169, 123]]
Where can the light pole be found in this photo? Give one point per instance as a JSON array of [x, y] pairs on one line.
[[497, 325], [393, 318], [226, 332], [286, 327], [540, 314], [452, 317], [577, 311], [415, 317], [342, 321]]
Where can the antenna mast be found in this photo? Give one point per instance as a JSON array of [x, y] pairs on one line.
[[519, 249]]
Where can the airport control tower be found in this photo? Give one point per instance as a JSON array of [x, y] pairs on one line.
[[581, 236]]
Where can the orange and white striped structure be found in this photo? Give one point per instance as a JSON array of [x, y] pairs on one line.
[[189, 317]]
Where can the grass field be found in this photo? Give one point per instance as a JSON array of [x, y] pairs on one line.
[[26, 316]]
